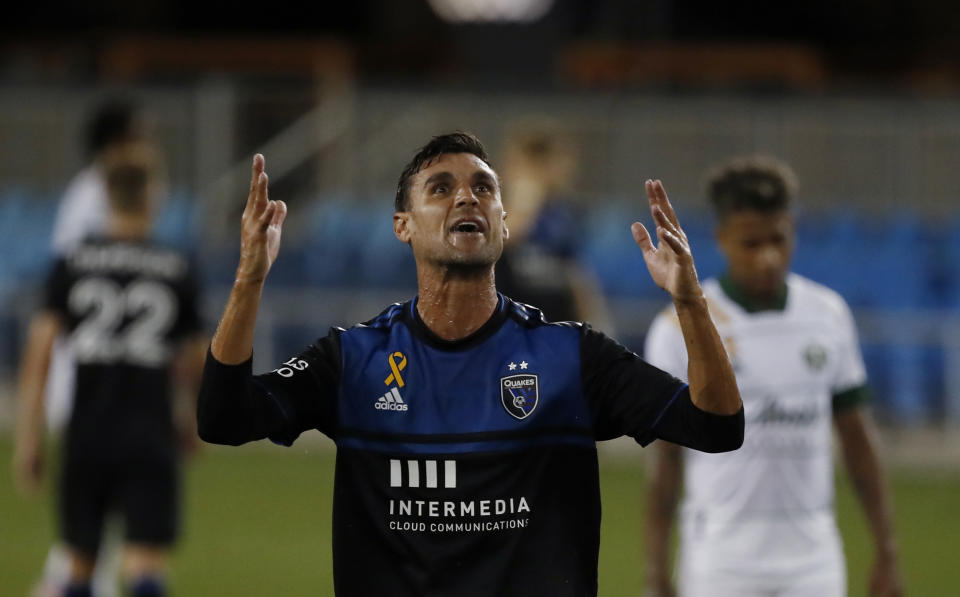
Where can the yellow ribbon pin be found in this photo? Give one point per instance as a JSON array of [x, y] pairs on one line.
[[396, 367]]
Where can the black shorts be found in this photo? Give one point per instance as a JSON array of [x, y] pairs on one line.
[[144, 491]]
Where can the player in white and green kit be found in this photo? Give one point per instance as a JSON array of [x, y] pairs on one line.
[[760, 521]]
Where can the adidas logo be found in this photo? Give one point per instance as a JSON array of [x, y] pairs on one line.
[[390, 401]]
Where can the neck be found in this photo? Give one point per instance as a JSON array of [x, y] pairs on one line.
[[753, 302], [128, 226], [454, 303]]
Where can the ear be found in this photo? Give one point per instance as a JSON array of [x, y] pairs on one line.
[[506, 230], [401, 226]]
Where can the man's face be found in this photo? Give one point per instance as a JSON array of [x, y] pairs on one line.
[[454, 215], [758, 247]]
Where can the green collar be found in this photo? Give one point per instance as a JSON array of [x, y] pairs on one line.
[[751, 305]]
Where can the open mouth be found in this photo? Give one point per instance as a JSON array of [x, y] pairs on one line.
[[467, 225]]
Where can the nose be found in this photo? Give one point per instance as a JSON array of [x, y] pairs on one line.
[[769, 258], [465, 196]]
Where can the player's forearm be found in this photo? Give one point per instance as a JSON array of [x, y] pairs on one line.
[[658, 548], [662, 498], [713, 387], [33, 375], [30, 408], [863, 465], [233, 342], [230, 409]]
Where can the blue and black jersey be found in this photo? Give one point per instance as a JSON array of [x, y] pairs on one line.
[[466, 467]]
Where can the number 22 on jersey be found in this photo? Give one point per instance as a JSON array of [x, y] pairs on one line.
[[122, 323]]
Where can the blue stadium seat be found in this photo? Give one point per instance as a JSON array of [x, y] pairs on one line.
[[384, 262], [948, 252], [610, 252], [331, 246], [826, 251], [175, 223]]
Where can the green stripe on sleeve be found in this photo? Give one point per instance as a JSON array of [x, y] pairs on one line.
[[850, 398]]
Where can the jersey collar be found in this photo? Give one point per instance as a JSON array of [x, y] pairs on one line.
[[420, 329], [736, 294]]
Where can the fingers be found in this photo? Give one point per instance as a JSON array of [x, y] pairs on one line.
[[255, 169], [266, 216], [279, 215], [678, 246], [258, 186], [273, 215], [657, 196], [642, 237], [258, 201]]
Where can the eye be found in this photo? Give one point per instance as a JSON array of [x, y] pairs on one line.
[[440, 189], [482, 187]]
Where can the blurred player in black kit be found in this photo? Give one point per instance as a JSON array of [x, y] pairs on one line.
[[129, 307], [539, 264]]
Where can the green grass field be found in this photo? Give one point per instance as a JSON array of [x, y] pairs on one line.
[[258, 523]]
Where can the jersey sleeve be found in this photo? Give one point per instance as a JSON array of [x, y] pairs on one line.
[[236, 406], [56, 288], [664, 347], [189, 320], [627, 395], [849, 386]]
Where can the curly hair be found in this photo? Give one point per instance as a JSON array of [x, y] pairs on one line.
[[755, 183]]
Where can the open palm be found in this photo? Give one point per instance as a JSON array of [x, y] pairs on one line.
[[670, 262]]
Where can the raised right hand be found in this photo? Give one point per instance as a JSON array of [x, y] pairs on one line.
[[261, 227]]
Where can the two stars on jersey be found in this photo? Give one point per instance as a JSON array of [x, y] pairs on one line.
[[519, 393]]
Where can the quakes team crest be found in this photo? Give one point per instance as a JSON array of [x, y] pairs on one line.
[[519, 394]]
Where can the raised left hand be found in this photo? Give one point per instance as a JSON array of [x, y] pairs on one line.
[[670, 262]]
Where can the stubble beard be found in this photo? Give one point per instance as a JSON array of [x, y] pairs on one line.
[[466, 264]]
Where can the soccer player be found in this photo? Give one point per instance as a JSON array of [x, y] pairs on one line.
[[83, 212], [760, 521], [539, 264], [465, 423], [130, 308]]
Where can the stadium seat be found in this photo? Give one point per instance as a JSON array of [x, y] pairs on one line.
[[331, 251], [384, 262], [610, 252]]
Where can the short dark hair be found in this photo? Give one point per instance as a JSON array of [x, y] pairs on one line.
[[457, 142], [112, 122], [754, 183]]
